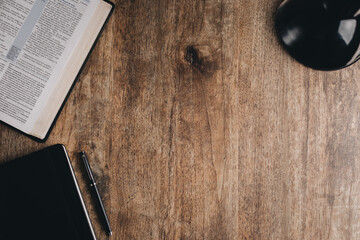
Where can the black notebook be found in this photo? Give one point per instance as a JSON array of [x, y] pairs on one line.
[[40, 198], [43, 46]]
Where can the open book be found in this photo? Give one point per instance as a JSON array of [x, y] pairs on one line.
[[43, 46]]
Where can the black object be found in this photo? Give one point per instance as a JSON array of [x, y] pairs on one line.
[[321, 34], [40, 199], [96, 193]]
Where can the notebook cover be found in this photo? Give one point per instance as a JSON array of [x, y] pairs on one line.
[[42, 185]]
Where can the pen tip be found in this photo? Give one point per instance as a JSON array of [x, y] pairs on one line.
[[110, 233]]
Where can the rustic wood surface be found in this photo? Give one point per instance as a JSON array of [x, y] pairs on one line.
[[199, 126]]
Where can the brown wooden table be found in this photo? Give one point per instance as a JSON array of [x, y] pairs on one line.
[[199, 126]]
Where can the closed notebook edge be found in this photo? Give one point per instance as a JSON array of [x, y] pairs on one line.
[[79, 192]]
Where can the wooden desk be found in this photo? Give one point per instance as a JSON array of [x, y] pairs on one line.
[[199, 126]]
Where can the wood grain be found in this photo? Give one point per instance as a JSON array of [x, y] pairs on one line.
[[199, 126]]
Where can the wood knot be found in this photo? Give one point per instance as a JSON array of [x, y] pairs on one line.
[[192, 55], [201, 57]]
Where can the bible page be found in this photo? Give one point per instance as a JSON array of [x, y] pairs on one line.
[[37, 38]]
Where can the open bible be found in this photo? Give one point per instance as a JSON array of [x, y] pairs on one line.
[[43, 46]]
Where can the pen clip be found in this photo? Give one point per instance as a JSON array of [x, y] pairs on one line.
[[87, 166]]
